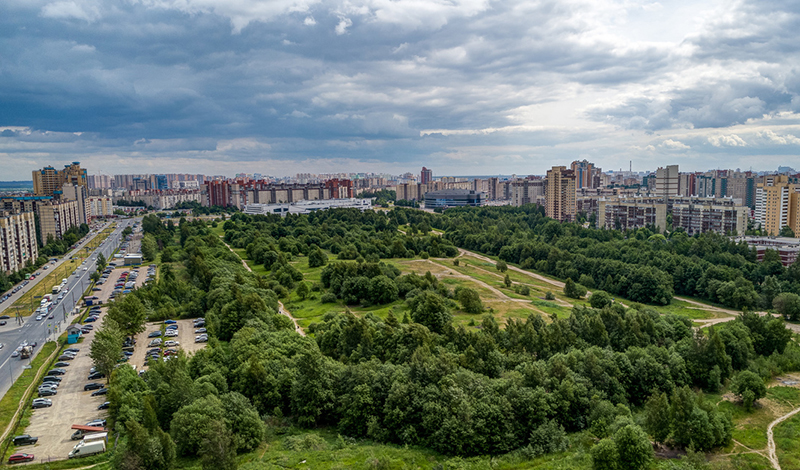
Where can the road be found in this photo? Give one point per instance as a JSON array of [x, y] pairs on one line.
[[40, 331]]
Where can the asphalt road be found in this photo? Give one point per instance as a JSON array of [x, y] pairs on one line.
[[40, 331]]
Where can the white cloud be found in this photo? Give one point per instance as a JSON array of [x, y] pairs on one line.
[[787, 139], [344, 23], [673, 145], [731, 140], [309, 21]]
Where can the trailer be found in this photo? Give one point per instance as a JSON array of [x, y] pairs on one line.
[[56, 289]]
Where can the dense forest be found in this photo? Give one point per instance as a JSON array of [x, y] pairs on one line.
[[628, 376]]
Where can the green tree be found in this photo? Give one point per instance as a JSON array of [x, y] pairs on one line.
[[217, 449], [317, 258], [750, 387], [128, 314], [599, 299], [507, 281], [656, 414], [431, 311], [574, 290], [244, 422], [788, 305], [106, 348], [313, 395], [192, 424], [95, 276], [149, 247], [633, 448], [604, 455], [303, 290], [382, 290], [501, 266], [786, 231], [470, 300], [101, 262]]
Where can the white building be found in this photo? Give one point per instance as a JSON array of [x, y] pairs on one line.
[[307, 207]]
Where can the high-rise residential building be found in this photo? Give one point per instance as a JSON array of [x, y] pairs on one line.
[[100, 206], [777, 204], [426, 175], [17, 240], [666, 183], [699, 215], [56, 217], [48, 180], [527, 191], [79, 194], [559, 193], [99, 181], [584, 174], [631, 213]]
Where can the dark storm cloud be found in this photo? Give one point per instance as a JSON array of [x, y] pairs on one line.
[[241, 80]]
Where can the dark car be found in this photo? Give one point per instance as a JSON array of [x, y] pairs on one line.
[[16, 458], [92, 386], [154, 334], [61, 364], [74, 350], [66, 357], [51, 378], [104, 405], [90, 319], [25, 440], [102, 391], [96, 375], [4, 317], [57, 372], [3, 323]]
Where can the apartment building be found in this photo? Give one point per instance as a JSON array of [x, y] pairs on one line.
[[631, 213], [527, 191], [777, 204], [559, 192], [56, 217], [721, 215], [17, 240], [667, 181], [48, 181]]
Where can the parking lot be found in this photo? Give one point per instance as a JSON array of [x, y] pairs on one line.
[[185, 337], [71, 405]]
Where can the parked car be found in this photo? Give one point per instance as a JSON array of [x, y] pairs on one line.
[[96, 375], [155, 342], [17, 458], [200, 330], [63, 357], [97, 423], [25, 440], [104, 405], [102, 391], [51, 378], [92, 386], [172, 327], [169, 322], [201, 339], [47, 392], [57, 372], [41, 403], [61, 364], [72, 350], [171, 343], [154, 334]]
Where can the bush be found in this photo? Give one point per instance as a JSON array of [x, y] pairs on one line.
[[750, 387], [549, 296], [327, 298], [501, 266], [574, 290], [599, 299]]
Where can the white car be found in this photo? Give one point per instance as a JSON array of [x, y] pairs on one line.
[[171, 333], [201, 339], [171, 343]]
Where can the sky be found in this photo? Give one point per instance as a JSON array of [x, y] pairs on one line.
[[463, 87]]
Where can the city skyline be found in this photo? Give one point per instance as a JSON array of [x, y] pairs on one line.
[[218, 87]]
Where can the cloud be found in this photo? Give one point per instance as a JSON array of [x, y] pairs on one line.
[[344, 23], [673, 145], [404, 82], [731, 140]]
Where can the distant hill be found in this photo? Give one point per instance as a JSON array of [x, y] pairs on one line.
[[15, 185]]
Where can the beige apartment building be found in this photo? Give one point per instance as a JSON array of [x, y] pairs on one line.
[[48, 181], [17, 240], [631, 213], [777, 205], [559, 194], [56, 217]]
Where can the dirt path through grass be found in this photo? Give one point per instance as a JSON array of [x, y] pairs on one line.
[[281, 309], [773, 457]]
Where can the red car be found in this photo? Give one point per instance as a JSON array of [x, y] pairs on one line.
[[16, 458]]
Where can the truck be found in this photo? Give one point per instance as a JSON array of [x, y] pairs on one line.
[[25, 352], [56, 289], [84, 449]]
